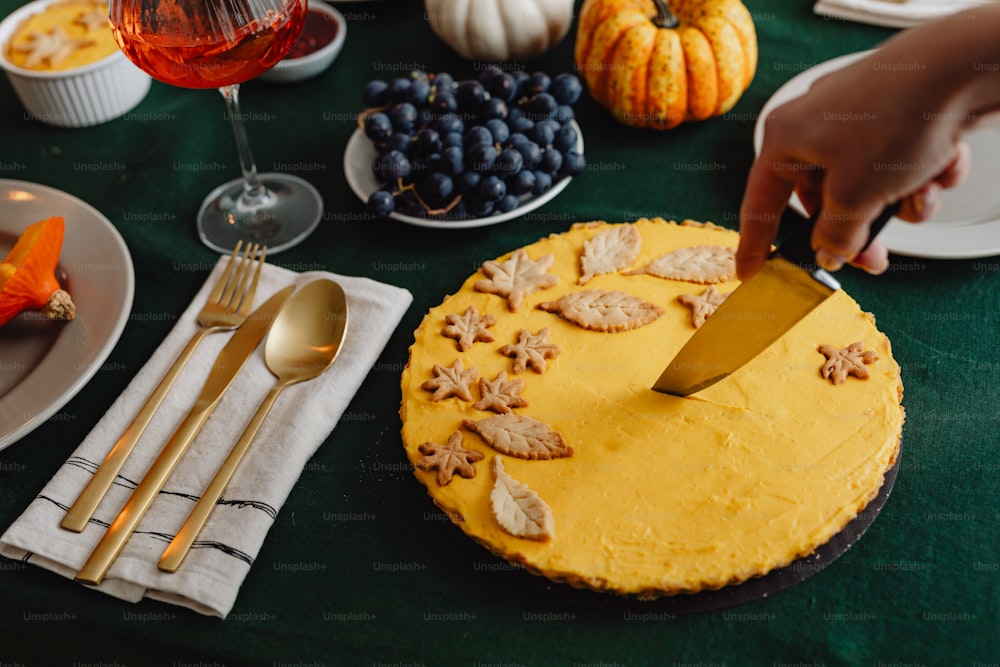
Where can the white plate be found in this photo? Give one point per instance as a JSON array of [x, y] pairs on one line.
[[46, 363], [968, 223], [360, 154]]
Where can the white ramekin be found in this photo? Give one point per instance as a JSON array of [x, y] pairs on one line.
[[78, 97]]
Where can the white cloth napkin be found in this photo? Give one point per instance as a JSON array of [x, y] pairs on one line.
[[893, 13], [209, 579]]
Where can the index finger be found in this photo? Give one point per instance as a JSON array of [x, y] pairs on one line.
[[764, 199]]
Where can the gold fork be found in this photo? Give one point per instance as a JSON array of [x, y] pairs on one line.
[[226, 308]]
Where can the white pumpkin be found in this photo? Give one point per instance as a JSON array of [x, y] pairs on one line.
[[497, 30]]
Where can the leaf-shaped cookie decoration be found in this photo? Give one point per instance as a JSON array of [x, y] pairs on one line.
[[469, 328], [531, 350], [516, 277], [500, 395], [850, 360], [603, 310], [520, 436], [703, 305], [451, 381], [448, 459], [518, 508], [609, 250], [704, 264]]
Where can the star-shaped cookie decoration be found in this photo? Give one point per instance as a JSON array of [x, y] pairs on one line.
[[50, 48], [500, 395], [469, 328], [92, 20], [531, 350], [850, 360], [703, 305], [448, 459], [451, 381], [516, 277]]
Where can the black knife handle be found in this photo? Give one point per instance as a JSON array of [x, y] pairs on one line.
[[797, 247]]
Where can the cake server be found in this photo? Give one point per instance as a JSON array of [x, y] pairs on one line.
[[787, 288]]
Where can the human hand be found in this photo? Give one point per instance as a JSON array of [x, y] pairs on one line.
[[862, 137]]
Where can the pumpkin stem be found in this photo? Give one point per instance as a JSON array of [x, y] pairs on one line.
[[59, 306], [664, 17]]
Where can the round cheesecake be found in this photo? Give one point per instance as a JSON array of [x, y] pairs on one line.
[[528, 413]]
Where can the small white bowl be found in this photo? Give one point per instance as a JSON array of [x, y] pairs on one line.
[[77, 97], [289, 70]]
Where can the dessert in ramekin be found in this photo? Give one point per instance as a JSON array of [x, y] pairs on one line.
[[62, 61]]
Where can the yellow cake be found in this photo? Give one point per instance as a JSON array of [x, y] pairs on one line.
[[62, 36], [590, 477]]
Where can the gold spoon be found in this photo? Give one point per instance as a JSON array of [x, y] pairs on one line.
[[303, 342]]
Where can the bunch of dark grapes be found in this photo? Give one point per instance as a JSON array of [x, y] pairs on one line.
[[469, 149]]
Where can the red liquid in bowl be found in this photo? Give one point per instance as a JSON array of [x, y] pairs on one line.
[[320, 29]]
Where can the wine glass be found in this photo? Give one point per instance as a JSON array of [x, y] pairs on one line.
[[219, 44]]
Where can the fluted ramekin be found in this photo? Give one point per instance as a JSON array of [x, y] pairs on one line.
[[79, 97]]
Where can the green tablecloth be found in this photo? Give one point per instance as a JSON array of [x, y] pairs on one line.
[[358, 568]]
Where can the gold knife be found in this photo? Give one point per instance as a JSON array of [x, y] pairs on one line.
[[787, 288], [227, 365]]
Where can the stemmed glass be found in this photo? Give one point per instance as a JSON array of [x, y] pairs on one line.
[[220, 44]]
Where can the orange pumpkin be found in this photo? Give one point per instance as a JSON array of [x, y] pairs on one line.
[[656, 65], [27, 274]]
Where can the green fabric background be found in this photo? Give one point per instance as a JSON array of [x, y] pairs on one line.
[[359, 568]]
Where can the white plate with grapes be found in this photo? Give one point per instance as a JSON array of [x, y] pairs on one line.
[[433, 152]]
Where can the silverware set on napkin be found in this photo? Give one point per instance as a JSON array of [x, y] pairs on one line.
[[304, 333]]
